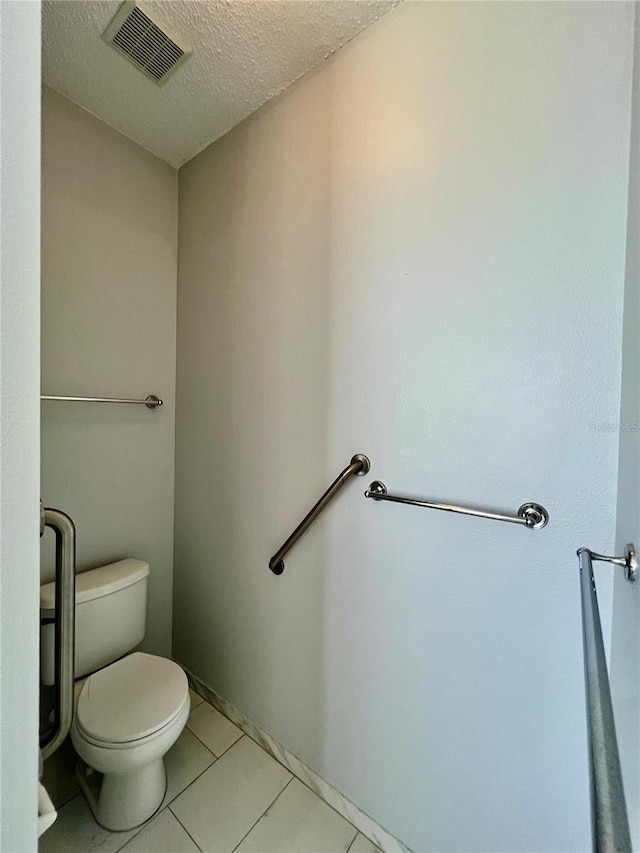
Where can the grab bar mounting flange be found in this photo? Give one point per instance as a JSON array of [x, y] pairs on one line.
[[629, 562]]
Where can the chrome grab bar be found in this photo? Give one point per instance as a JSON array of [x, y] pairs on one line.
[[609, 821], [532, 515], [65, 605], [151, 402], [359, 466]]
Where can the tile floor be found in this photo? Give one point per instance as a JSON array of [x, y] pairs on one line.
[[224, 793]]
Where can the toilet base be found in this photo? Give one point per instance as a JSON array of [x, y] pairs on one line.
[[122, 801]]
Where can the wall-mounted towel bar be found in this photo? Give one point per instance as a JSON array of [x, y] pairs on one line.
[[358, 466], [532, 515], [610, 824], [151, 402]]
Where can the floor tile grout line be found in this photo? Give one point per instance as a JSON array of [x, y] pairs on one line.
[[193, 707], [201, 741], [185, 828], [64, 805], [295, 776], [169, 802], [353, 841], [217, 711], [104, 829], [299, 778], [215, 759], [167, 805], [58, 806], [322, 799], [138, 829], [242, 734], [273, 802], [270, 754], [173, 799], [136, 834], [160, 810]]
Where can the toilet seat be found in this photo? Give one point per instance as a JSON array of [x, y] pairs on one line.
[[131, 701]]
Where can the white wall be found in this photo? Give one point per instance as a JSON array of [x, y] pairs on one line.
[[416, 253], [109, 232], [19, 422], [625, 643]]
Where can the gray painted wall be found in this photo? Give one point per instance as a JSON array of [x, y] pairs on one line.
[[418, 253], [625, 644], [109, 232]]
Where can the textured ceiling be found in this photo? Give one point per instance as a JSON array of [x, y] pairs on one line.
[[244, 53]]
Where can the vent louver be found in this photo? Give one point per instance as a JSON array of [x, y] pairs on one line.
[[144, 42]]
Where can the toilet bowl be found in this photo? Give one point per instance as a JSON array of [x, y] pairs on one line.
[[127, 716], [132, 706]]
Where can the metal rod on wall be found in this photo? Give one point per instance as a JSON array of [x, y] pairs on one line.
[[358, 466], [532, 515], [610, 824], [65, 607], [151, 402]]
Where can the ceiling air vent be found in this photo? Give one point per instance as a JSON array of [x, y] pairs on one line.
[[144, 42]]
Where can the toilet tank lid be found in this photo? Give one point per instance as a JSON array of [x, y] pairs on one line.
[[98, 582]]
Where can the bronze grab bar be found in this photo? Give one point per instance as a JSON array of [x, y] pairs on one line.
[[359, 466]]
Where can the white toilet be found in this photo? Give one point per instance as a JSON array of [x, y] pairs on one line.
[[127, 713]]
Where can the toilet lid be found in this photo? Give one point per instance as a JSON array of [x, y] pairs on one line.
[[131, 699]]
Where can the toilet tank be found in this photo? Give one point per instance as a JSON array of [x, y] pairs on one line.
[[111, 614]]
